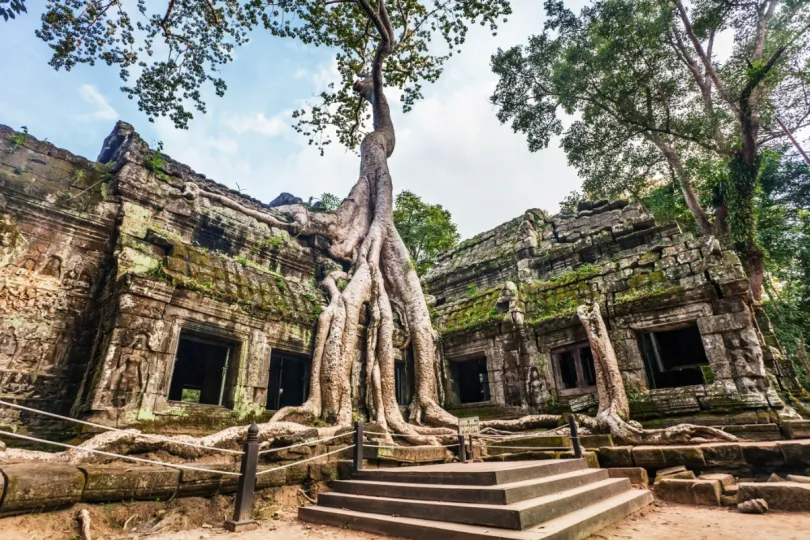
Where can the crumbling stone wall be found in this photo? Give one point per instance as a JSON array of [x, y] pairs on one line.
[[646, 276]]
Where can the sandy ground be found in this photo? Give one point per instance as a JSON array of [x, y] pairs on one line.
[[660, 521]]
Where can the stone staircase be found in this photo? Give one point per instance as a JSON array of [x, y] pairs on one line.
[[520, 500]]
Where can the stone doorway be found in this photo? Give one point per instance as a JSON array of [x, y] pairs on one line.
[[289, 380], [471, 380], [200, 369]]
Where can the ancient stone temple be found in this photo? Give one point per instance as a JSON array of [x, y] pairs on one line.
[[126, 300]]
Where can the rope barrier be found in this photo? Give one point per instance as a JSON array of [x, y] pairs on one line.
[[406, 435], [265, 471], [533, 448], [127, 431], [271, 450], [410, 447], [519, 437], [110, 454]]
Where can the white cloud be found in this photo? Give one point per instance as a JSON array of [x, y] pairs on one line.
[[259, 123], [104, 111], [225, 145], [300, 73]]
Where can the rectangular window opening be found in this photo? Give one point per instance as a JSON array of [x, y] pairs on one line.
[[673, 358], [574, 369], [471, 380], [201, 369], [289, 380]]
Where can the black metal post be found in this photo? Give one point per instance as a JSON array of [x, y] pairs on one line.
[[247, 483], [358, 446], [471, 451], [462, 449], [572, 424]]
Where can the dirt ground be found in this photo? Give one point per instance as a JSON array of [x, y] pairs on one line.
[[201, 519]]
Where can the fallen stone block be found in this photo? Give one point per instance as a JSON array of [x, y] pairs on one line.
[[116, 483], [699, 492], [754, 506], [775, 478], [637, 475], [731, 489], [40, 486], [724, 479], [683, 475], [728, 500], [799, 479], [788, 496]]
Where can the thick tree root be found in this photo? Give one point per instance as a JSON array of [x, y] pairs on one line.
[[172, 449]]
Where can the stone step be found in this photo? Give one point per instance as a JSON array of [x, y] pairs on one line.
[[497, 494], [473, 474], [576, 525], [517, 516]]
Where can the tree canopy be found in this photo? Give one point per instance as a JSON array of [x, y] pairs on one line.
[[654, 103], [425, 228], [169, 54]]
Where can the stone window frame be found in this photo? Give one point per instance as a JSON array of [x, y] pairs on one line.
[[556, 370], [238, 341]]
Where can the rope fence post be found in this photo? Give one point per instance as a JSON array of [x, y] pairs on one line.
[[572, 424], [462, 449], [358, 446], [247, 483]]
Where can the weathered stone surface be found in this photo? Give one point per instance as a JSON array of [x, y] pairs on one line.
[[40, 486], [796, 429], [724, 479], [637, 476], [795, 452], [112, 483], [689, 456], [649, 457], [616, 456], [753, 506], [699, 492], [723, 455], [788, 496], [799, 479], [681, 475], [775, 478]]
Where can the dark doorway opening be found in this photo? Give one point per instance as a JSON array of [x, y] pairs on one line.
[[289, 380], [674, 358], [574, 369], [472, 380], [200, 369], [403, 383]]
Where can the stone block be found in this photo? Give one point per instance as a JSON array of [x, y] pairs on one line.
[[39, 486], [637, 475], [297, 474], [616, 456], [787, 496], [596, 441], [755, 432], [796, 429], [699, 492], [723, 455], [682, 475], [763, 454], [726, 322], [116, 483], [204, 484], [795, 452], [729, 500], [724, 479], [649, 457], [689, 456], [323, 472], [275, 478]]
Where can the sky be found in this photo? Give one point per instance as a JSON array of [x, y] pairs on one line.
[[451, 149]]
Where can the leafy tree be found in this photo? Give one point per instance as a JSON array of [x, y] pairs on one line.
[[330, 201], [9, 9], [377, 43], [654, 102], [425, 228]]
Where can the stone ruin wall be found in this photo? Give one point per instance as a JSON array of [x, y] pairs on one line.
[[103, 264], [510, 295]]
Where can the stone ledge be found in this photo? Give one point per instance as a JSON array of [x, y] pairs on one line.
[[699, 492], [39, 486], [787, 496]]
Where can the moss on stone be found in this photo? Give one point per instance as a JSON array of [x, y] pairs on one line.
[[472, 313]]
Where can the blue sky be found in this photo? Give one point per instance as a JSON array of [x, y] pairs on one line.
[[450, 149]]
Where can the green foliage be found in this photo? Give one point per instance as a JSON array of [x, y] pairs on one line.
[[190, 396], [9, 9], [330, 201], [571, 201], [156, 162], [472, 290], [17, 140], [425, 228], [175, 50]]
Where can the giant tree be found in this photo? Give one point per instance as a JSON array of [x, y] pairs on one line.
[[377, 44], [654, 102]]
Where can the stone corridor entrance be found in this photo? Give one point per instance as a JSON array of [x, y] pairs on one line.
[[471, 380], [200, 370], [289, 380]]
